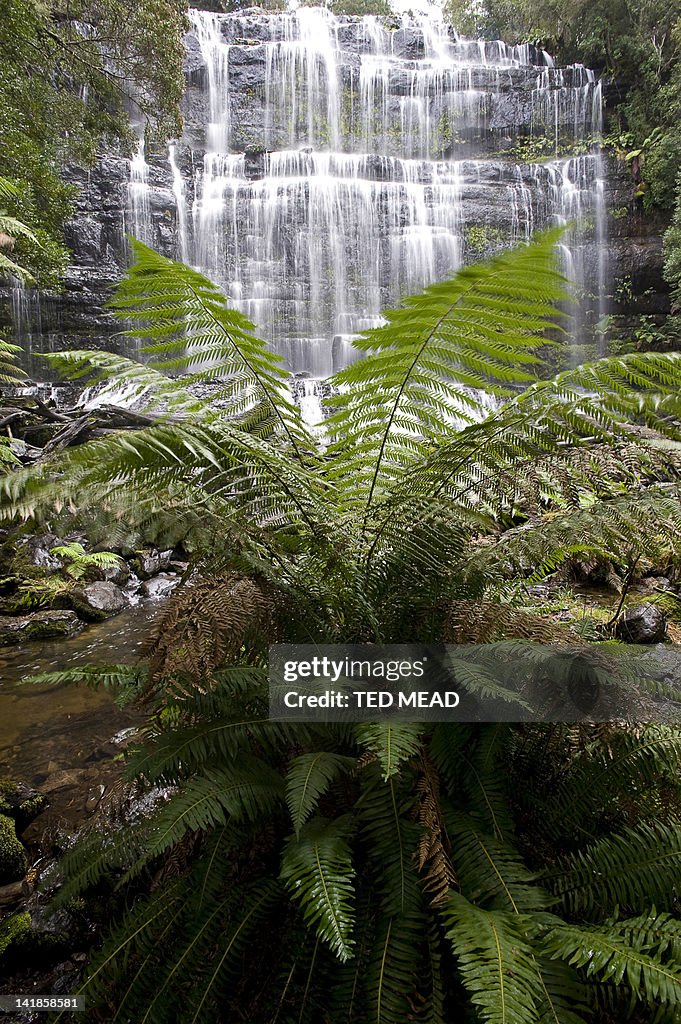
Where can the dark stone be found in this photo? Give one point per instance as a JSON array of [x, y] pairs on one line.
[[98, 601], [45, 625], [118, 574], [643, 624], [149, 562]]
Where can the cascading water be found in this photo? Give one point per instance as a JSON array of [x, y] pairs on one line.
[[335, 164]]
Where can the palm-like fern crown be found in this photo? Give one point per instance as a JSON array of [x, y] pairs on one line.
[[414, 469], [407, 870]]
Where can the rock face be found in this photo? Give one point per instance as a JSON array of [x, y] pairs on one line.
[[45, 625], [643, 624], [99, 600], [331, 165]]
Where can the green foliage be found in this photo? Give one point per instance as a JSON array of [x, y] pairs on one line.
[[638, 43], [414, 871], [317, 868], [16, 926], [380, 8], [79, 563], [13, 862], [78, 65]]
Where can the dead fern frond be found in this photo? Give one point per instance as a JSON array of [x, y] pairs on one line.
[[206, 625], [485, 622], [431, 854]]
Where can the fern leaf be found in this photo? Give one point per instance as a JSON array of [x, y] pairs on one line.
[[496, 963], [309, 778], [317, 868], [392, 743], [604, 955]]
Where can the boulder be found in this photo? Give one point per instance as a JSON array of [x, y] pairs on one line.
[[44, 625], [20, 802], [98, 601], [159, 586], [13, 862], [118, 574], [37, 550], [642, 624], [150, 562]]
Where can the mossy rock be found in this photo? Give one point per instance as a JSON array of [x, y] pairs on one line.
[[20, 802], [15, 927], [13, 862], [45, 625]]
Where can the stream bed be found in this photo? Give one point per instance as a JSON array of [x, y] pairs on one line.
[[63, 740]]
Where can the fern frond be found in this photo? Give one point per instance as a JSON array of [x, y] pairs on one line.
[[630, 870], [317, 868], [490, 871], [606, 956], [189, 328], [496, 962], [242, 792], [309, 777], [386, 814], [391, 742], [478, 330]]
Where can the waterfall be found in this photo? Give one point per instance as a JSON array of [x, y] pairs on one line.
[[332, 165], [181, 205], [137, 218]]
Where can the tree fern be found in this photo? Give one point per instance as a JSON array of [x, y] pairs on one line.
[[424, 515]]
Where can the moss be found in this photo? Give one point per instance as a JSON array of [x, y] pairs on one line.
[[13, 863], [15, 927], [481, 236], [20, 802]]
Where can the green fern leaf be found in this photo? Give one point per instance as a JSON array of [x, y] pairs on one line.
[[317, 868]]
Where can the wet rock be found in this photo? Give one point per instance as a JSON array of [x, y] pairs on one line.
[[651, 584], [37, 550], [125, 736], [13, 862], [20, 802], [150, 562], [119, 574], [94, 796], [62, 779], [44, 625], [159, 586], [643, 624], [98, 601]]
